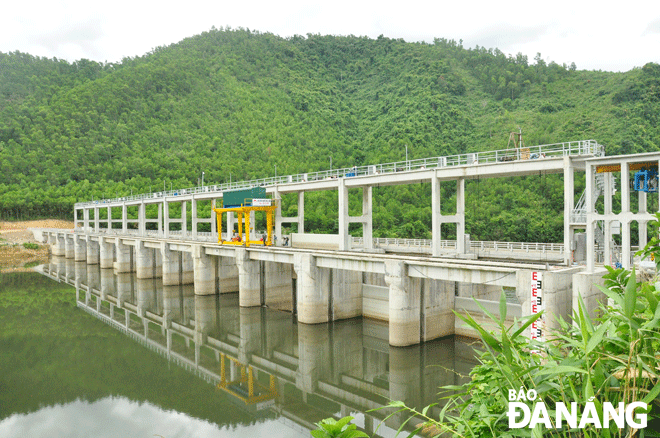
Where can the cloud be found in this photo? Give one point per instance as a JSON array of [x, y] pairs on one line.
[[507, 37], [652, 28]]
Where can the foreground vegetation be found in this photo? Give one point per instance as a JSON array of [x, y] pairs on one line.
[[238, 104]]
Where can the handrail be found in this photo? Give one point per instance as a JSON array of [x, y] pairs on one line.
[[555, 150]]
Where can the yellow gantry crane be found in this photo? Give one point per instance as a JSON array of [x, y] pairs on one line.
[[243, 202]]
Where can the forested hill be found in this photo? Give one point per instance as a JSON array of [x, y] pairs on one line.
[[236, 103]]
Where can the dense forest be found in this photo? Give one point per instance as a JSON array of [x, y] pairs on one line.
[[242, 104]]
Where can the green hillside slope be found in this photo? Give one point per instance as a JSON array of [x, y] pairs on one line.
[[236, 104]]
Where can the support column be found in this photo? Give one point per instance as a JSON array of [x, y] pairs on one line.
[[569, 205], [278, 214], [312, 301], [124, 218], [642, 235], [367, 214], [123, 263], [80, 248], [204, 271], [460, 216], [343, 216], [231, 221], [171, 265], [144, 262], [97, 220], [184, 220], [142, 219], [404, 305], [106, 253], [591, 250], [109, 219], [166, 219], [68, 245], [193, 212], [86, 226], [249, 279], [436, 217], [92, 252], [607, 224], [301, 212], [625, 215]]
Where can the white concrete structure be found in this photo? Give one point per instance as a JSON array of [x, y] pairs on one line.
[[415, 294]]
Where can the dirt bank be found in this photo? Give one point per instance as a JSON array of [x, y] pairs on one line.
[[14, 255]]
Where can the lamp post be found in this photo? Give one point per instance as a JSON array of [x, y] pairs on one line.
[[202, 179]]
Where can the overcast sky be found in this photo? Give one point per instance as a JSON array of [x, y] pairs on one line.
[[612, 36]]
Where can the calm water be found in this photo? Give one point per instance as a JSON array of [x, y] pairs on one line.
[[95, 354]]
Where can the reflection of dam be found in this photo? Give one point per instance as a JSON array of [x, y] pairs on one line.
[[264, 360]]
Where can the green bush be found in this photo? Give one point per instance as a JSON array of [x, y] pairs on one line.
[[29, 245]]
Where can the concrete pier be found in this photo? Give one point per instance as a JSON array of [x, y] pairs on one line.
[[249, 279]]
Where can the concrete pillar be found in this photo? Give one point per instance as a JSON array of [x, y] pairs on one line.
[[86, 226], [92, 252], [144, 260], [278, 214], [193, 218], [97, 220], [585, 284], [569, 205], [367, 213], [460, 214], [124, 253], [109, 219], [625, 243], [124, 218], [589, 204], [301, 212], [343, 216], [607, 231], [171, 265], [184, 220], [231, 223], [204, 271], [404, 305], [249, 279], [311, 299], [106, 253], [142, 219], [166, 219], [643, 232], [436, 217], [80, 248], [69, 247]]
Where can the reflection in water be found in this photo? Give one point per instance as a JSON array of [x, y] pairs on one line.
[[265, 361]]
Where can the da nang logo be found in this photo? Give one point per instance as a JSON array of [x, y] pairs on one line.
[[520, 415]]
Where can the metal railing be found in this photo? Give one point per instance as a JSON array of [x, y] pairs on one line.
[[573, 148], [475, 245]]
